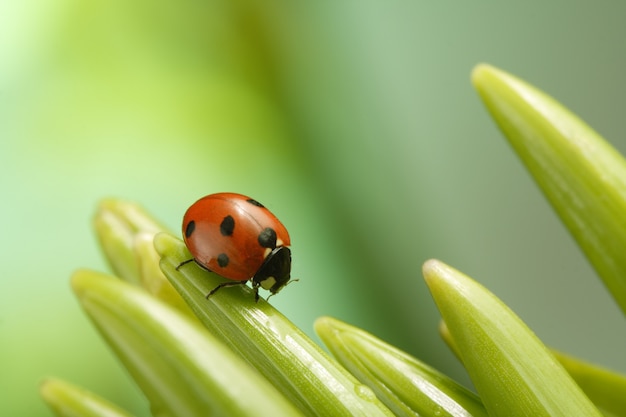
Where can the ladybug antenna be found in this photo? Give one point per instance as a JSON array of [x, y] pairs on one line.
[[290, 281]]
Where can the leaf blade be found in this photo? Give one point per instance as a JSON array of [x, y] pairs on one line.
[[407, 386], [69, 400], [581, 174], [268, 340], [181, 368], [514, 373]]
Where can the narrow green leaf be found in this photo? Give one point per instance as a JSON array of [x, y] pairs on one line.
[[606, 389], [514, 373], [268, 341], [182, 369], [68, 400], [151, 278], [117, 224], [583, 176], [444, 332], [126, 232], [407, 386]]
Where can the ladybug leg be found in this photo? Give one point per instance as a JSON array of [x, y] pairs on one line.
[[225, 284], [255, 287], [184, 262], [192, 260]]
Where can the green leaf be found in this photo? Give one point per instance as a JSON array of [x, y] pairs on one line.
[[117, 224], [444, 332], [582, 176], [151, 278], [407, 386], [68, 400], [605, 388], [182, 369], [126, 232], [514, 373], [268, 340]]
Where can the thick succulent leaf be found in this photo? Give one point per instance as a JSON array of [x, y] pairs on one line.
[[407, 386], [514, 373], [583, 176], [182, 369], [117, 224], [126, 232], [268, 340], [68, 400], [151, 278], [605, 388]]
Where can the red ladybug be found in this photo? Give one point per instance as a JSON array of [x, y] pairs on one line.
[[238, 238]]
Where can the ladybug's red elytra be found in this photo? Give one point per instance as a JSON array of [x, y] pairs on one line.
[[238, 238]]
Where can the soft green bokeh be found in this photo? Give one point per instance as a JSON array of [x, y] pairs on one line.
[[355, 123]]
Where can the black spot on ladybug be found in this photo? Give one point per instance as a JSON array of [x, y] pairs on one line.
[[227, 226], [255, 203], [222, 260], [191, 226], [267, 238]]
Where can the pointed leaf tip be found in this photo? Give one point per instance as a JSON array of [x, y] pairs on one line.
[[68, 400], [579, 172], [512, 370], [407, 386], [480, 71]]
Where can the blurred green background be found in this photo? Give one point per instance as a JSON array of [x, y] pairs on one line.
[[355, 122]]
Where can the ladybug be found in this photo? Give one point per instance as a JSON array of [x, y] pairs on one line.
[[238, 238]]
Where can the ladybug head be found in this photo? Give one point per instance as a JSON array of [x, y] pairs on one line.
[[275, 272]]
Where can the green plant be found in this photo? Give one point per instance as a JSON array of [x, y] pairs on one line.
[[231, 356]]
